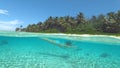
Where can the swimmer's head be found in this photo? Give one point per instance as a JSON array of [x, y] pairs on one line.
[[69, 43]]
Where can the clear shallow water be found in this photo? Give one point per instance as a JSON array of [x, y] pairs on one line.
[[35, 52]]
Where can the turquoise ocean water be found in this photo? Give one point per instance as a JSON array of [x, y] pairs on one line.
[[24, 50]]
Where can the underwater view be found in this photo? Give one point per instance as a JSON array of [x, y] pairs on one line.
[[59, 34], [28, 50]]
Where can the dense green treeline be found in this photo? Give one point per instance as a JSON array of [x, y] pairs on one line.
[[109, 23]]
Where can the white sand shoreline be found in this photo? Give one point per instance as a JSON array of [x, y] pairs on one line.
[[83, 35], [89, 35], [59, 34]]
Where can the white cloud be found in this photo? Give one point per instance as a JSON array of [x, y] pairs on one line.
[[9, 25], [5, 12]]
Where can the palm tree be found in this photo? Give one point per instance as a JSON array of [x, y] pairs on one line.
[[17, 29], [80, 18]]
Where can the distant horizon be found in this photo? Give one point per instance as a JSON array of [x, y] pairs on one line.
[[14, 13]]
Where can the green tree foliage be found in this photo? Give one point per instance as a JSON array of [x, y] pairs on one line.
[[80, 18], [109, 23], [112, 23]]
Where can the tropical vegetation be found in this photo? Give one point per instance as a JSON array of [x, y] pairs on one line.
[[103, 23]]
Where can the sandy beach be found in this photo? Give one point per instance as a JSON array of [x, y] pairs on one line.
[[30, 34]]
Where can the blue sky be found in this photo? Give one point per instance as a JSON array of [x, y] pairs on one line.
[[14, 13]]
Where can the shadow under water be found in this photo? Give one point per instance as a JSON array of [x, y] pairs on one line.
[[104, 55], [3, 42], [54, 55]]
